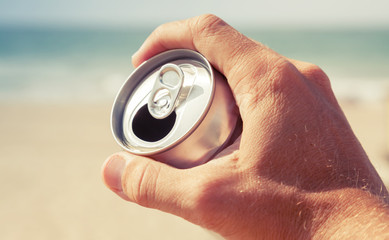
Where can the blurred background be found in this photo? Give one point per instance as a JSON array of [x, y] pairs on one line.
[[62, 62]]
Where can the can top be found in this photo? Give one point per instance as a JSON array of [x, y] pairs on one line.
[[162, 102]]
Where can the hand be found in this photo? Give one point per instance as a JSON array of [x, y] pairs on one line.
[[297, 171]]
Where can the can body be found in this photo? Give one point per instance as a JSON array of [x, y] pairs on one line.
[[176, 109]]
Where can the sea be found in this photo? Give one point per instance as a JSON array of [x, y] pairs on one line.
[[49, 65]]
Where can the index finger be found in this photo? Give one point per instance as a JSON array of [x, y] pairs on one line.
[[229, 51]]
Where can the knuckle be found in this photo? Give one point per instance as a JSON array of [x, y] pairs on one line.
[[316, 72], [281, 67], [264, 71], [207, 25], [209, 20], [278, 75], [275, 79]]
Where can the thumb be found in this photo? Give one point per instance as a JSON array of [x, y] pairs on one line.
[[146, 182]]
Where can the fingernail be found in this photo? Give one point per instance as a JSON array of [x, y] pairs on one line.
[[113, 169]]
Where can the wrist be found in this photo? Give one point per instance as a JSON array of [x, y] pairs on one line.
[[346, 213]]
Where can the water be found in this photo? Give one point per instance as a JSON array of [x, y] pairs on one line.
[[62, 65], [355, 54], [90, 64]]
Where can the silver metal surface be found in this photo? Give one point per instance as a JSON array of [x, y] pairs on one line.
[[194, 107], [166, 90]]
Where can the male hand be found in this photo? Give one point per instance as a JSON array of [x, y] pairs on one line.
[[297, 171]]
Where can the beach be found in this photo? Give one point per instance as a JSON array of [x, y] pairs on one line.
[[51, 155], [56, 91], [51, 184]]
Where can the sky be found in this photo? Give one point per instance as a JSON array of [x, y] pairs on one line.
[[119, 13]]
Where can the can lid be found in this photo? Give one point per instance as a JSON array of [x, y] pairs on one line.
[[162, 102]]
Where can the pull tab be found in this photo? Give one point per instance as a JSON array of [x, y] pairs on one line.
[[166, 90]]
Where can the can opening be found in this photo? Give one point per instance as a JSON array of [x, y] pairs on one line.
[[150, 129]]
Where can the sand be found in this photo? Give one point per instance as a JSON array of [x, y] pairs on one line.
[[50, 181]]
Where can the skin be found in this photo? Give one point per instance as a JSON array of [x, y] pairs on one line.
[[296, 172]]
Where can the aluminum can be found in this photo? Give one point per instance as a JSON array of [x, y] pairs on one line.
[[176, 109]]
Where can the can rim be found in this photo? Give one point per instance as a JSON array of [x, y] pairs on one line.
[[167, 56]]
